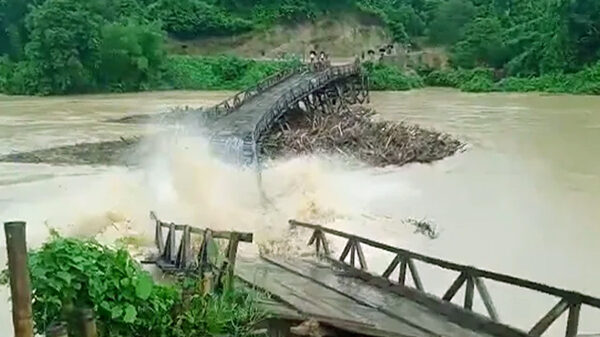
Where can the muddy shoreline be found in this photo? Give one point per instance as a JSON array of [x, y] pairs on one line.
[[354, 134]]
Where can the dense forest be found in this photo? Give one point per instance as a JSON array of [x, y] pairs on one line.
[[66, 46]]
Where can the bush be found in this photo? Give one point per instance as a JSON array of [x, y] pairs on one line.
[[389, 77], [69, 272]]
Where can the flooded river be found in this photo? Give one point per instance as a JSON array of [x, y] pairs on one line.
[[523, 199]]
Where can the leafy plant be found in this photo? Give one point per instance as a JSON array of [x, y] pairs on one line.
[[232, 313], [389, 77], [69, 272]]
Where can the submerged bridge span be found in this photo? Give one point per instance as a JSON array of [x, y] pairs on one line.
[[243, 119]]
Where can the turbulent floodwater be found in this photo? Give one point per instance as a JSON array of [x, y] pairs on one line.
[[521, 200]]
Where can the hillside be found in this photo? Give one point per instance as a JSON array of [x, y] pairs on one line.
[[343, 35]]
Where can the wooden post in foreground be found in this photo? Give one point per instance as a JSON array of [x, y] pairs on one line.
[[19, 278]]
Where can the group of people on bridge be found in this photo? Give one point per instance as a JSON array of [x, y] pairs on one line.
[[320, 63]]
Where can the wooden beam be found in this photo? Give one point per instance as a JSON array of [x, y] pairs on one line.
[[402, 274], [460, 280], [469, 292], [540, 327], [486, 298], [346, 250], [392, 266], [243, 237], [325, 243], [573, 320], [415, 274], [353, 253], [361, 256], [231, 256], [313, 237]]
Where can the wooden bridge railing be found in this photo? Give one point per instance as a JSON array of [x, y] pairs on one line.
[[180, 257], [235, 101], [470, 277], [295, 94]]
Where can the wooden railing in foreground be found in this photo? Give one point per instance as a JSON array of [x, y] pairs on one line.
[[472, 278], [206, 261]]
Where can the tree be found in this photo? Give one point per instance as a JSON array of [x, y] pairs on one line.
[[449, 20], [482, 46], [130, 55], [584, 30], [64, 45]]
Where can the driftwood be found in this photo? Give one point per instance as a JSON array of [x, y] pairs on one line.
[[354, 133]]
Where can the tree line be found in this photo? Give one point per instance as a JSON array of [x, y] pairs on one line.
[[64, 46]]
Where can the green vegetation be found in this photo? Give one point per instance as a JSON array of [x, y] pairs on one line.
[[586, 81], [388, 77], [70, 273], [222, 72], [70, 46]]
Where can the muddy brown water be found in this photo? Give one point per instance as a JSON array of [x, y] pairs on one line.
[[523, 199]]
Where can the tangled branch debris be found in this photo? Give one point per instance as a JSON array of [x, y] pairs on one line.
[[355, 134]]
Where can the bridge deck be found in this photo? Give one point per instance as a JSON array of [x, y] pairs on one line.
[[242, 121], [315, 290]]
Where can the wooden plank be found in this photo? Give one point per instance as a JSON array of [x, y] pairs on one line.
[[460, 280], [469, 292], [584, 299], [454, 313], [486, 298], [323, 304], [573, 320], [540, 327], [415, 275], [392, 305]]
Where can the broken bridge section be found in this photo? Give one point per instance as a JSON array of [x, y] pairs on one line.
[[242, 120]]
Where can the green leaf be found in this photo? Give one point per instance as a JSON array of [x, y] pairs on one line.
[[64, 276], [116, 312], [143, 287], [130, 314]]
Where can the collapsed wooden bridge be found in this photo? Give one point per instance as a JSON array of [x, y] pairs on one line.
[[338, 295], [243, 119]]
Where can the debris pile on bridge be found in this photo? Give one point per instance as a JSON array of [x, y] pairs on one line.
[[354, 133]]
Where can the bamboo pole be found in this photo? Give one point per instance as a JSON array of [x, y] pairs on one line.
[[19, 278]]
